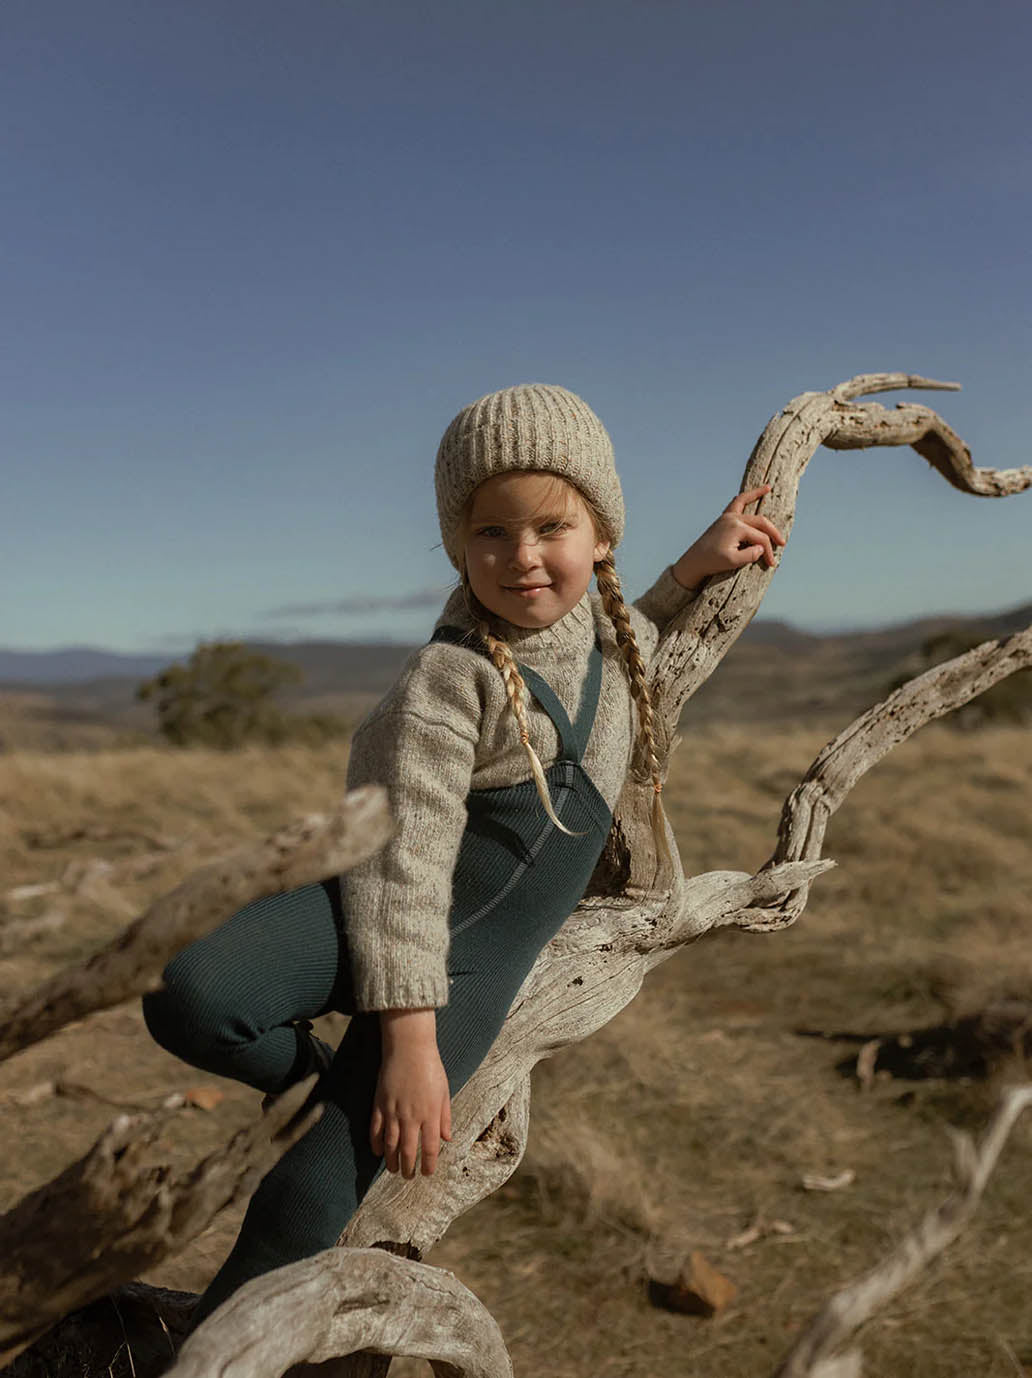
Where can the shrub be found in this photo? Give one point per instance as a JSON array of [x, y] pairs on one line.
[[223, 697]]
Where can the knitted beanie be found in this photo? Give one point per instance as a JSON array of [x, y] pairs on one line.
[[532, 426]]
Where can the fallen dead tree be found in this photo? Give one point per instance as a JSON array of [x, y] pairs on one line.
[[626, 926]]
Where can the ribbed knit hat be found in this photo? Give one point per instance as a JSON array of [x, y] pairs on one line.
[[532, 426]]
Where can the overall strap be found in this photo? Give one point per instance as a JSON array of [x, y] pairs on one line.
[[573, 737]]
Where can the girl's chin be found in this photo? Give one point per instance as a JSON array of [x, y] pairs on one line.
[[532, 611]]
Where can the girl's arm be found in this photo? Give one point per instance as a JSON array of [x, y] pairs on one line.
[[420, 743]]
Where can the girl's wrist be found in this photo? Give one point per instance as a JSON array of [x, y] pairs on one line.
[[408, 1028], [687, 572]]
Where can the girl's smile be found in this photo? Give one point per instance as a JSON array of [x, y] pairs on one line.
[[531, 547]]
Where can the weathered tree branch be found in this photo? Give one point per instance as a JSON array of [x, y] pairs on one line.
[[840, 1318], [862, 745], [118, 1211], [702, 633], [298, 855], [341, 1301], [596, 964]]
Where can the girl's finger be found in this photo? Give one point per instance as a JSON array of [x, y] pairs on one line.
[[446, 1120], [409, 1149], [767, 552], [755, 544], [763, 524], [430, 1147], [376, 1131], [391, 1137], [741, 500]]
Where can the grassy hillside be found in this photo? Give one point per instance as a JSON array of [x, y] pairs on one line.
[[695, 1113]]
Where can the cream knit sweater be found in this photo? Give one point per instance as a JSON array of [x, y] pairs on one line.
[[445, 728]]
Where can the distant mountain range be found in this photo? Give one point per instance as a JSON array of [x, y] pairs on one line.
[[327, 665], [774, 673], [361, 667]]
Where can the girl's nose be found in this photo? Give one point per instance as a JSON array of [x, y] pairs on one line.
[[524, 554]]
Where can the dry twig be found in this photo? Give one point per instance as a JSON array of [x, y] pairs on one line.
[[813, 1355]]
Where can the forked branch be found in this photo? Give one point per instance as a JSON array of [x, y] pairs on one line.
[[596, 964]]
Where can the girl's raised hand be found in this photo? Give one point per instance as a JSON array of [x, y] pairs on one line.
[[735, 539]]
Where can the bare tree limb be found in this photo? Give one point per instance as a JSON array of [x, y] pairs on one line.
[[865, 741], [341, 1301], [596, 964], [812, 1355], [300, 854], [118, 1211], [704, 631]]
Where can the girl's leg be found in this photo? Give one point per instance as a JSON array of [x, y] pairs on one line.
[[303, 1204], [231, 999]]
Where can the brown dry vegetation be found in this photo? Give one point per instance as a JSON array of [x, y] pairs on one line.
[[695, 1112]]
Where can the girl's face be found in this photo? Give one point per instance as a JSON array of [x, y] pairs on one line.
[[531, 547]]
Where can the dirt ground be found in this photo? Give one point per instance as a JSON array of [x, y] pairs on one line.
[[694, 1115]]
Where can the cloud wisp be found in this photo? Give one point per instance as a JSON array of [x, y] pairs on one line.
[[359, 605]]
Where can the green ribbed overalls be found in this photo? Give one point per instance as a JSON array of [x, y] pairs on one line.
[[235, 1002]]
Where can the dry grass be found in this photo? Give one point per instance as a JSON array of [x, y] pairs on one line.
[[700, 1107]]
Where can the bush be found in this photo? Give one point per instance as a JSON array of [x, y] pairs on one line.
[[224, 696]]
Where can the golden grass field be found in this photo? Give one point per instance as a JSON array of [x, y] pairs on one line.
[[692, 1115]]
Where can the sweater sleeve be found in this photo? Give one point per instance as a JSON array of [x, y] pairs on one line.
[[420, 743], [656, 607], [664, 599]]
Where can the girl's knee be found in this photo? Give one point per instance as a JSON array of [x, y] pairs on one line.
[[188, 1015]]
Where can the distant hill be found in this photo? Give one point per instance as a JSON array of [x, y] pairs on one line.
[[774, 672], [73, 664], [326, 664]]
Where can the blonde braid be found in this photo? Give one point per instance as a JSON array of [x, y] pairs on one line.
[[515, 690], [612, 600]]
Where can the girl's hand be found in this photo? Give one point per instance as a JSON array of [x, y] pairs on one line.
[[735, 539], [412, 1106]]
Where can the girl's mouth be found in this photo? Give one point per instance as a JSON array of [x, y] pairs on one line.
[[526, 590]]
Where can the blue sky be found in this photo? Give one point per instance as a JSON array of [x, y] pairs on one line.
[[254, 256]]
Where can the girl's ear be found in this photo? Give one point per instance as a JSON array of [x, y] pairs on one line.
[[602, 549]]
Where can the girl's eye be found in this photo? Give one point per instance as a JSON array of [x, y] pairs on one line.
[[553, 528], [491, 531]]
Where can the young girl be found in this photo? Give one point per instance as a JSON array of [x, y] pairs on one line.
[[503, 746]]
